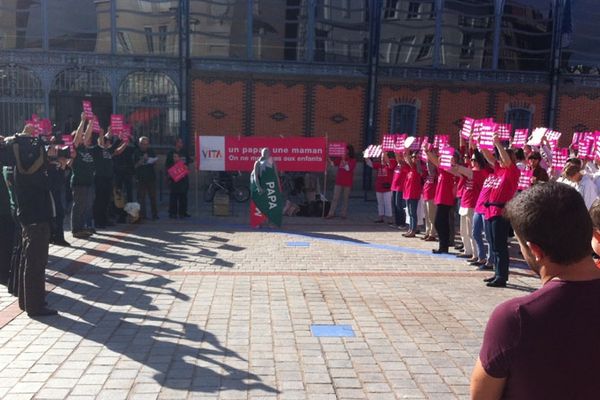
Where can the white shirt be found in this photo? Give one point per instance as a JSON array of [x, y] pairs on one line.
[[588, 191]]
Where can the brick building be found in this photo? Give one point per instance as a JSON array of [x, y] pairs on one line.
[[349, 69]]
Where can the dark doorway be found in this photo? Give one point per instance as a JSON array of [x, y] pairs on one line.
[[65, 109]]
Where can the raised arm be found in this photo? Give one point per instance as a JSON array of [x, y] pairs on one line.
[[504, 157], [78, 139], [87, 136], [433, 158]]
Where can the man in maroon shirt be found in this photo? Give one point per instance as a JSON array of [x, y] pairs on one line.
[[546, 345]]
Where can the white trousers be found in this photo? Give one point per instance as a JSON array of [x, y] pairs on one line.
[[384, 204]]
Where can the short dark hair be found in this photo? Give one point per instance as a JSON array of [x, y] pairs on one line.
[[350, 151], [535, 156], [554, 217]]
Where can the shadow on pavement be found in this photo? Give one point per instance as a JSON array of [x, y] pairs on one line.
[[179, 354]]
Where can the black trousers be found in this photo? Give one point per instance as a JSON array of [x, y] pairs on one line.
[[442, 225], [147, 189], [104, 188], [15, 261], [398, 205], [32, 274], [7, 237], [178, 204], [57, 224]]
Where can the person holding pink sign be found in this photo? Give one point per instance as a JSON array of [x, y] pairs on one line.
[[383, 185], [502, 190], [413, 189], [180, 183], [343, 181], [445, 195]]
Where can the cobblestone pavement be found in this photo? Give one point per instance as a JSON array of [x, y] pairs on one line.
[[207, 308]]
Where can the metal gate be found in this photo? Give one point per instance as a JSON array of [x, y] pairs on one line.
[[150, 103], [21, 95]]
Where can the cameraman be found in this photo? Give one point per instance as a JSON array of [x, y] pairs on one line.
[[35, 210]]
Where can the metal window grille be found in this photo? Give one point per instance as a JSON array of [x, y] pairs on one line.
[[404, 119], [21, 95], [150, 103]]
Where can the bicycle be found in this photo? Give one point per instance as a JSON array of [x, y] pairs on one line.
[[226, 183]]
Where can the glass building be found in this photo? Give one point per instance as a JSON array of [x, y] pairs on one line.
[[139, 57]]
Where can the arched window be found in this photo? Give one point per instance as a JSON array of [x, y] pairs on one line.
[[21, 95], [404, 119], [519, 118], [70, 88], [150, 103]]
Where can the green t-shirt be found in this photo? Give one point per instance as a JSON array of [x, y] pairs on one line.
[[84, 167]]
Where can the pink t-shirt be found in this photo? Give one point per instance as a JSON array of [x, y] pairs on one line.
[[383, 182], [400, 173], [504, 188], [472, 188], [413, 185], [430, 185], [445, 192], [344, 176]]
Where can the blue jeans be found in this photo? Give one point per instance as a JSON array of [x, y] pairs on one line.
[[412, 213], [478, 235], [491, 258], [499, 229], [398, 205]]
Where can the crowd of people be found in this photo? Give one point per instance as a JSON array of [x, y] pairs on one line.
[[468, 198], [44, 177]]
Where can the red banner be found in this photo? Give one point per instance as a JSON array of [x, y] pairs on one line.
[[293, 154]]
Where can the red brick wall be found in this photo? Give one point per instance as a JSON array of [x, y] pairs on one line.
[[390, 95], [456, 104], [225, 101], [339, 113], [577, 112], [270, 99]]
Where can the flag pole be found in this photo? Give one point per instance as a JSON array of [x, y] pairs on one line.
[[197, 173], [325, 173]]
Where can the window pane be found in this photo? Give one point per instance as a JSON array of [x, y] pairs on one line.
[[280, 29], [581, 37], [218, 28], [404, 119], [88, 28], [467, 34], [407, 32], [341, 31], [147, 27], [526, 37], [519, 118], [21, 94], [20, 25]]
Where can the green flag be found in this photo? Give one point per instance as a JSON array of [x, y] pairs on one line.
[[270, 202]]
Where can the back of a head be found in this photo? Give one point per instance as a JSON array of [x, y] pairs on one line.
[[554, 217]]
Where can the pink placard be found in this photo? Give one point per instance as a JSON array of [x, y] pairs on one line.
[[467, 128], [399, 144], [87, 109], [178, 171], [116, 123], [486, 136], [586, 147], [553, 135], [575, 139], [520, 138], [125, 134], [67, 140], [503, 131], [373, 151], [409, 142], [45, 126], [416, 144], [336, 149], [525, 179], [440, 141], [559, 158], [388, 142], [446, 154]]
